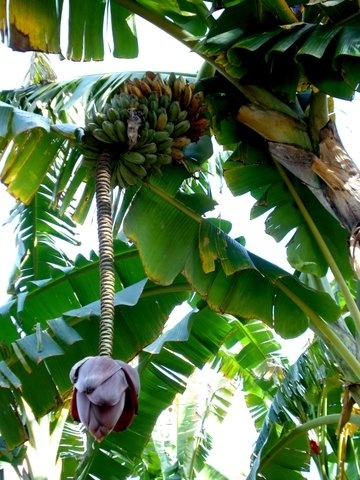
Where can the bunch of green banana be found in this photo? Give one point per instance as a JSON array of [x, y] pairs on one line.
[[147, 125]]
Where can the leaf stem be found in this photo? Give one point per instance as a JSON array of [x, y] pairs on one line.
[[305, 427], [322, 328], [282, 10], [318, 116], [350, 301], [171, 200], [160, 21]]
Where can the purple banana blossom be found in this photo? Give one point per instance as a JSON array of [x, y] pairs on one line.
[[105, 395]]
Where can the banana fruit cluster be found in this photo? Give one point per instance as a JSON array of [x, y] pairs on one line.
[[146, 125]]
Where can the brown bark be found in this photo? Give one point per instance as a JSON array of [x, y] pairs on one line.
[[332, 176], [340, 175]]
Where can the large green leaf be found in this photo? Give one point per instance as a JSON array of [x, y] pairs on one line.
[[288, 462], [224, 273], [54, 322], [260, 49], [34, 26], [249, 169], [11, 427], [163, 375], [39, 27], [24, 168], [286, 60], [284, 440], [40, 232]]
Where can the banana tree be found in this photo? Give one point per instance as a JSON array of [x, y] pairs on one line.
[[270, 70]]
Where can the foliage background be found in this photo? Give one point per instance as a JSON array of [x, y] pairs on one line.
[[249, 244]]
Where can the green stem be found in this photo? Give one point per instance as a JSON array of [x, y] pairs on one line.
[[91, 449], [57, 432], [282, 10], [172, 201], [321, 328], [159, 21], [350, 302], [317, 322], [318, 116], [301, 429]]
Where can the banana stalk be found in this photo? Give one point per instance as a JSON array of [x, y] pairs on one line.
[[106, 252]]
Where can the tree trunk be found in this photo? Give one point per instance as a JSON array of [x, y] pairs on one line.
[[332, 176]]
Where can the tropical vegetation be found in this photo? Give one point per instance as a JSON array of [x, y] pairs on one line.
[[271, 70]]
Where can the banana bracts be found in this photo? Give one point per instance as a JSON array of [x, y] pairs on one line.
[[147, 125]]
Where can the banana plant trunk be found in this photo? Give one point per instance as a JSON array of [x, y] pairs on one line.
[[339, 182]]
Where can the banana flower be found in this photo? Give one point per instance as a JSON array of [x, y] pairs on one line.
[[105, 395]]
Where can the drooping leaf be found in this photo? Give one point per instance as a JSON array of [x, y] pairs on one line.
[[12, 429], [164, 375], [234, 281], [123, 31], [24, 27], [249, 169]]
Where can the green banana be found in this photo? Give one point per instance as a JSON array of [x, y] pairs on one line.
[[164, 159], [143, 138], [91, 126], [148, 148], [163, 146], [161, 119], [170, 127], [124, 114], [122, 100], [150, 158], [110, 131], [160, 136], [153, 104], [120, 129], [134, 157], [181, 128], [152, 119], [129, 177], [138, 170], [99, 118], [165, 100], [173, 111], [182, 115], [120, 180], [100, 135], [150, 136], [156, 170], [112, 114], [171, 79], [144, 109], [153, 97]]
